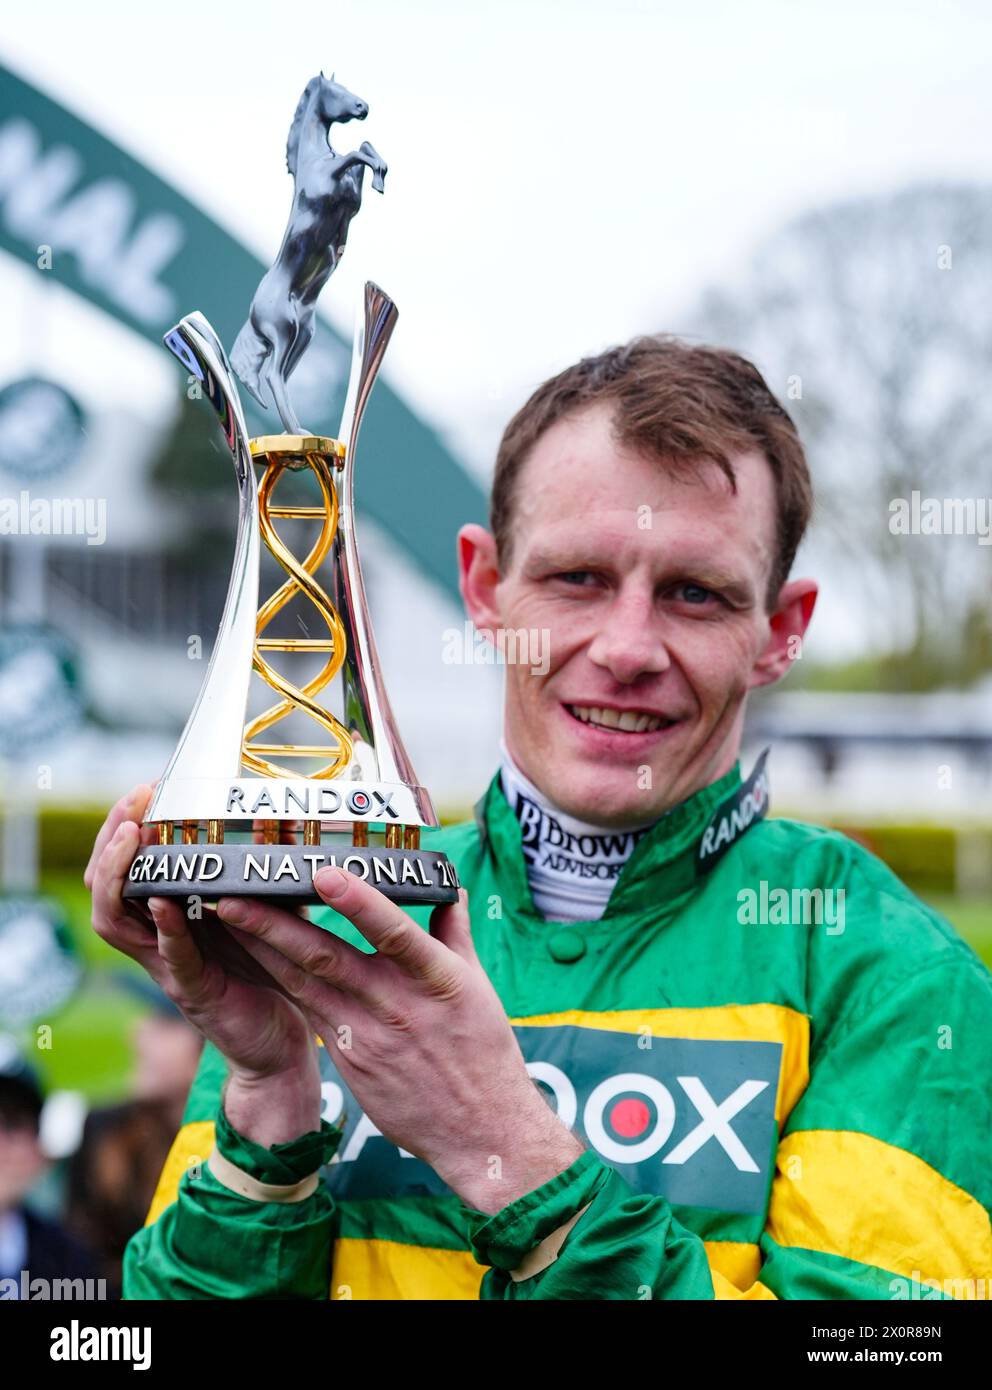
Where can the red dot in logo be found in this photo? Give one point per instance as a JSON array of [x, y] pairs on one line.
[[630, 1118]]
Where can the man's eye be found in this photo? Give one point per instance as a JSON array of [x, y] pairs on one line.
[[574, 576], [695, 593]]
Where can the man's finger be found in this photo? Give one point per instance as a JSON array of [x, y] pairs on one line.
[[383, 924], [178, 949], [216, 943], [315, 951], [130, 807], [112, 918], [313, 995], [451, 926]]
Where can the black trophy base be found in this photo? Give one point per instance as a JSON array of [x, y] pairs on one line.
[[406, 876]]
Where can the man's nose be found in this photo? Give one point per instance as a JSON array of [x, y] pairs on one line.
[[630, 643]]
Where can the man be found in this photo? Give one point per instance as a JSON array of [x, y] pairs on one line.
[[111, 1178], [37, 1257], [788, 1109]]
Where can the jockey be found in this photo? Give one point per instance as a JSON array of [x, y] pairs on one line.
[[666, 1046]]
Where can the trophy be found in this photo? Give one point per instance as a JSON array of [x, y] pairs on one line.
[[252, 778]]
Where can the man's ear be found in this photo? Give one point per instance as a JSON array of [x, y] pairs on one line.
[[478, 575], [788, 622]]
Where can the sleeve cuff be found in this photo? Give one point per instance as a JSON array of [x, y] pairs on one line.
[[283, 1163], [507, 1238]]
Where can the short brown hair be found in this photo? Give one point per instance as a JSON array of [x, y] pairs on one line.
[[683, 403]]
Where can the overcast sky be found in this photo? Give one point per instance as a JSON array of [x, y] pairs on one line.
[[562, 174]]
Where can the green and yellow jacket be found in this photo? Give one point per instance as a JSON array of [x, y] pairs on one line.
[[779, 1059]]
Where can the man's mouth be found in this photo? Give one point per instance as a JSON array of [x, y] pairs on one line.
[[626, 721]]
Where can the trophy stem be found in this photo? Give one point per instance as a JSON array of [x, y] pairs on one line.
[[321, 456]]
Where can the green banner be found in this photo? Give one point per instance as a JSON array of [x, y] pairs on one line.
[[114, 232]]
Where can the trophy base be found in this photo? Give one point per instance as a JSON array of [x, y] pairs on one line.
[[211, 871]]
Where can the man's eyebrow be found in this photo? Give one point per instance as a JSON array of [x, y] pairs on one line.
[[581, 553], [585, 554], [705, 573]]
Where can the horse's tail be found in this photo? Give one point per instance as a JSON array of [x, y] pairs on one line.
[[248, 358]]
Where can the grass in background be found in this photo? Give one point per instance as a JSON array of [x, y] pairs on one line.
[[972, 918]]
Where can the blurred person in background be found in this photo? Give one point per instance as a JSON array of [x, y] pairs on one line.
[[31, 1246], [112, 1176]]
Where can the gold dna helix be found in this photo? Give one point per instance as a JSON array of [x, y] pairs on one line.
[[277, 452]]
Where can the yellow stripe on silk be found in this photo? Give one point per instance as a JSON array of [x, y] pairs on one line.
[[734, 1022], [725, 1291], [848, 1194], [390, 1270], [738, 1262], [193, 1144]]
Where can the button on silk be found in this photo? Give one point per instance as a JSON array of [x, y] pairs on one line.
[[566, 946]]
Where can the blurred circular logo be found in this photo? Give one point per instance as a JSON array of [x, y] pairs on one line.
[[39, 967], [41, 428], [39, 687]]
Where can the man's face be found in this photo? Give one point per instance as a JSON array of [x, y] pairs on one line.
[[166, 1055], [651, 592], [21, 1158]]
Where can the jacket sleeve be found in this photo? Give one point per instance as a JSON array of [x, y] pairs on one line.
[[212, 1243], [881, 1188]]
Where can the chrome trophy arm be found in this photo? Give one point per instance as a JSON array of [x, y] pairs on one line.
[[378, 749], [211, 743]]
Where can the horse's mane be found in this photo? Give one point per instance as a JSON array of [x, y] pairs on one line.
[[293, 142]]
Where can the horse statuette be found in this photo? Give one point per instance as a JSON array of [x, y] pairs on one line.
[[327, 193]]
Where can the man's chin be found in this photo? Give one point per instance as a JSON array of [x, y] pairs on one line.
[[611, 797]]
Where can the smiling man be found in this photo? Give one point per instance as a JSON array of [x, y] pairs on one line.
[[596, 1076]]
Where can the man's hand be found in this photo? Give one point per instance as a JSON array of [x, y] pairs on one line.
[[420, 1036], [273, 1094]]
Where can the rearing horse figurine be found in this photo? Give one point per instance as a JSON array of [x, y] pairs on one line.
[[327, 194]]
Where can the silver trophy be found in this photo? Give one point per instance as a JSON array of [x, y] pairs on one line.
[[231, 773]]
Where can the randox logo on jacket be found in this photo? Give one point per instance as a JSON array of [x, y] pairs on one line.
[[691, 1119], [744, 808]]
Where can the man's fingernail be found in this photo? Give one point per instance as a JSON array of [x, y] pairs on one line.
[[232, 910], [156, 906], [331, 883]]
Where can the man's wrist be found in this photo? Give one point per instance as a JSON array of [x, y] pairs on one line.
[[274, 1108], [537, 1150], [283, 1172], [527, 1235]]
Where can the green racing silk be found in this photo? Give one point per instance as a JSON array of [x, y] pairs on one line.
[[779, 1059]]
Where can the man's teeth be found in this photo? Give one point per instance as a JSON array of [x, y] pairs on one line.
[[630, 721]]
